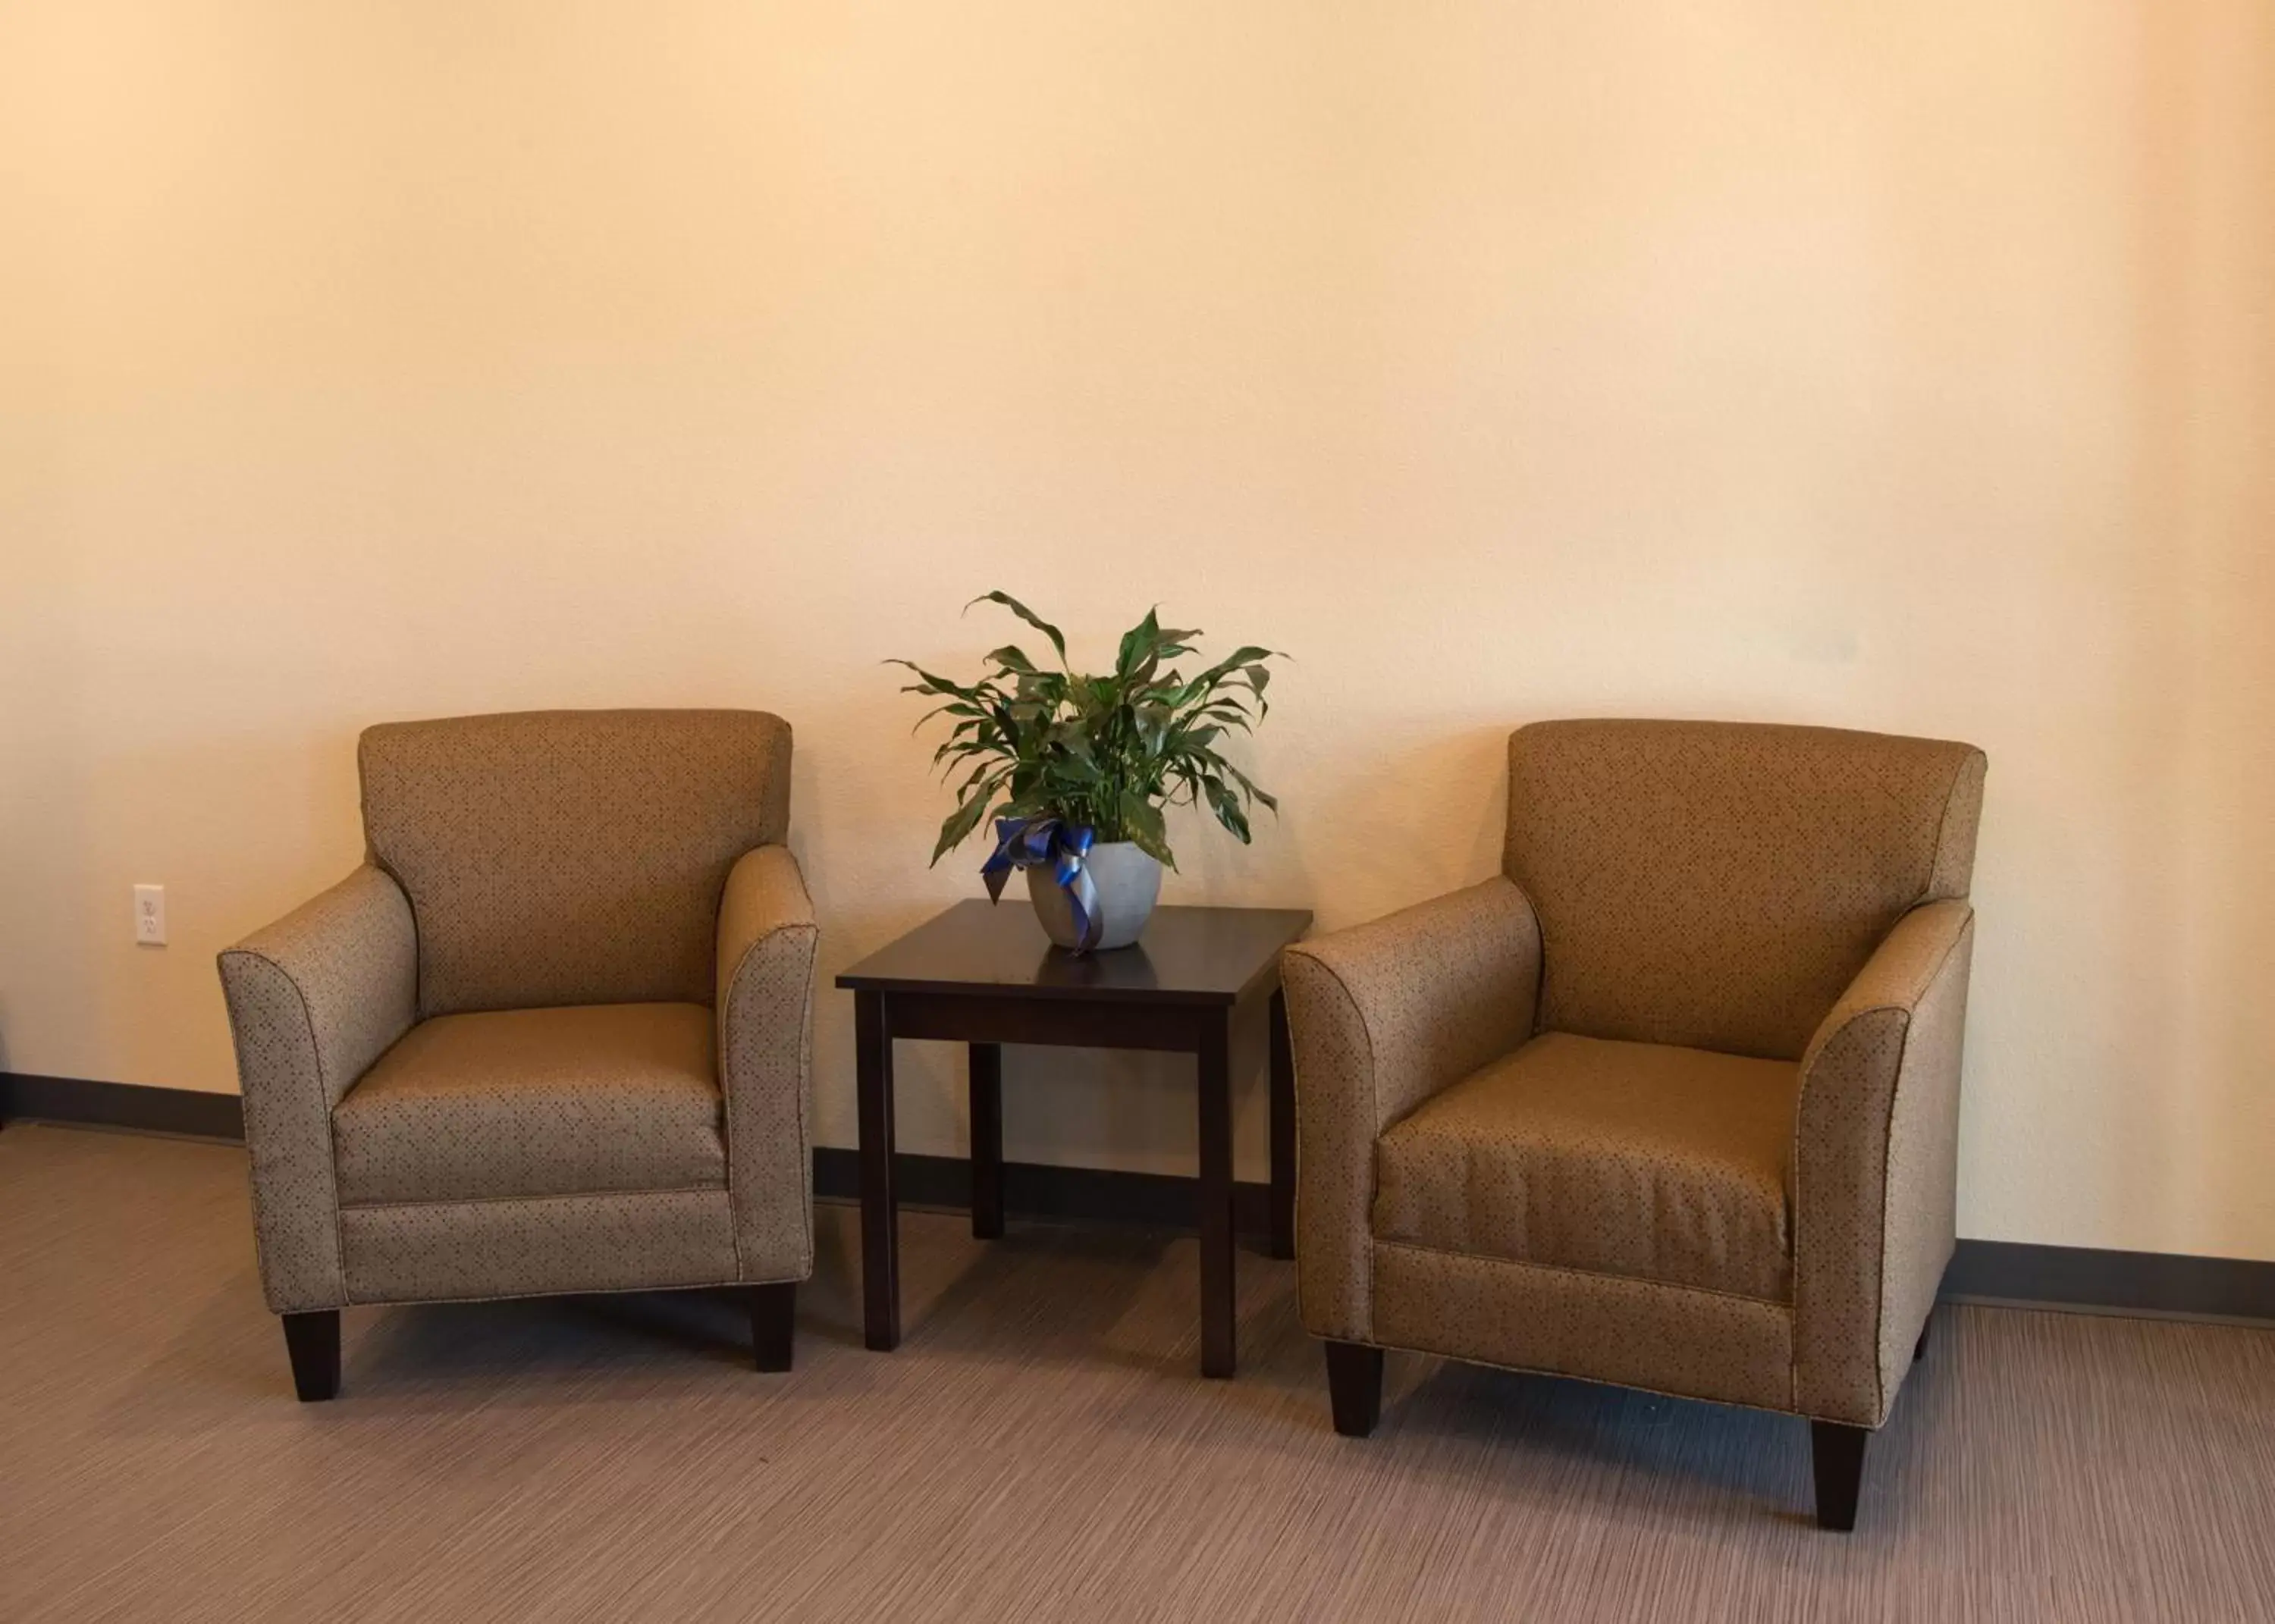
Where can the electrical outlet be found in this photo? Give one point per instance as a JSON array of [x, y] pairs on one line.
[[150, 916]]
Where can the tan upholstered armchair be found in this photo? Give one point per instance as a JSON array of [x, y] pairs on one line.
[[552, 1037], [1673, 1102]]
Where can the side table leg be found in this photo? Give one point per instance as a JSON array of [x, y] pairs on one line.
[[1217, 1300], [1282, 1103], [880, 1240], [987, 1141]]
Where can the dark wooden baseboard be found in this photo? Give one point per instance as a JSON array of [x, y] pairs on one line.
[[2092, 1279], [185, 1111], [2076, 1279]]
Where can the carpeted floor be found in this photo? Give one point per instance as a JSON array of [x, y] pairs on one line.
[[1041, 1448]]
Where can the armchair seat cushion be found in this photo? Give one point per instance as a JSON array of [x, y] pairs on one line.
[[513, 1103], [1638, 1160]]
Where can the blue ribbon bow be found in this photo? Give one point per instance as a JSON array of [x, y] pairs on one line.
[[1030, 843]]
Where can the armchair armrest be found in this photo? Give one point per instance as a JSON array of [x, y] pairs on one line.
[[767, 941], [313, 1000], [1382, 1016], [1875, 1166]]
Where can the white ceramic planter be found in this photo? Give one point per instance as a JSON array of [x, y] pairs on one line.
[[1128, 884]]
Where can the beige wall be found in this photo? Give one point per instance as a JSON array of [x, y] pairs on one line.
[[1904, 368]]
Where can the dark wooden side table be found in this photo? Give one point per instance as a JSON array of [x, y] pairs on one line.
[[987, 976]]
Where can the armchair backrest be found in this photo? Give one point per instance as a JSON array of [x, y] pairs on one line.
[[1718, 885], [569, 857]]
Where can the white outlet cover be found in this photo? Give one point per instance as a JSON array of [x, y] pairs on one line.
[[150, 916]]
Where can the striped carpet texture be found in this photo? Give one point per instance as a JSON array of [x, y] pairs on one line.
[[1040, 1448]]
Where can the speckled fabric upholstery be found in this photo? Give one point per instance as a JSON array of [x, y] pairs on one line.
[[767, 941], [312, 1001], [555, 1036], [1640, 1333], [1875, 1167], [1382, 1017], [1632, 1158], [571, 857], [1676, 1103], [432, 1251], [536, 1102], [1716, 885]]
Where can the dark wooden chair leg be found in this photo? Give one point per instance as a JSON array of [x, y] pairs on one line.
[[312, 1342], [1355, 1386], [773, 1320], [1838, 1454]]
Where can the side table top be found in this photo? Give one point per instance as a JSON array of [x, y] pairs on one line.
[[1186, 956]]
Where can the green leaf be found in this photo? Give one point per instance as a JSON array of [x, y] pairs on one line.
[[1071, 737], [1247, 655], [1154, 723], [984, 771], [1011, 657], [955, 708], [1027, 615], [956, 827], [1140, 640], [1249, 784], [1141, 822], [1225, 805], [927, 683]]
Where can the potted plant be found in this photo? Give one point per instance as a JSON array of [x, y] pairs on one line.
[[1078, 768]]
